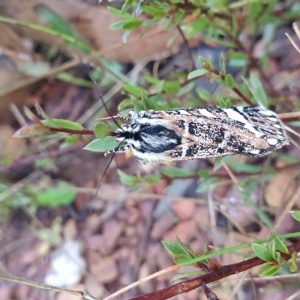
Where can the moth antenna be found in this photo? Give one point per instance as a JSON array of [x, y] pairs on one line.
[[101, 180], [100, 95], [108, 118]]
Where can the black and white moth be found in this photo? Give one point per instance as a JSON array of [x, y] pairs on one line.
[[181, 134]]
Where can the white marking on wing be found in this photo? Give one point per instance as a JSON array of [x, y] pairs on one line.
[[232, 114], [272, 141], [206, 113]]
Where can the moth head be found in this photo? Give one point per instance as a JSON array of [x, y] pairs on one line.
[[149, 139]]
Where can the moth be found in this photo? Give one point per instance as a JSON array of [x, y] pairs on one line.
[[181, 134]]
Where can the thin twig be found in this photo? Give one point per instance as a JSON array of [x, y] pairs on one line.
[[187, 46], [39, 285], [222, 272]]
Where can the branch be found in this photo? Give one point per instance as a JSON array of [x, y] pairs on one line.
[[222, 272]]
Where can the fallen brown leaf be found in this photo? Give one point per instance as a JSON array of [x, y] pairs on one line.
[[105, 269], [280, 189]]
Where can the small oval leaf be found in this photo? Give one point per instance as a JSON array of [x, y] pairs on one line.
[[179, 251], [62, 194], [176, 172], [30, 115], [197, 73], [296, 215], [61, 123], [262, 252], [102, 145], [129, 25], [138, 105], [101, 130], [269, 270], [229, 81], [279, 244]]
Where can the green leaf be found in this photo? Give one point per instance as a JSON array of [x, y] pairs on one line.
[[132, 24], [272, 248], [205, 184], [133, 89], [204, 174], [196, 73], [118, 25], [124, 104], [171, 87], [147, 102], [126, 6], [279, 245], [222, 63], [67, 77], [70, 140], [229, 81], [268, 33], [204, 94], [296, 215], [30, 115], [278, 258], [219, 162], [237, 59], [186, 89], [138, 105], [176, 172], [125, 36], [61, 123], [101, 130], [257, 89], [294, 266], [44, 115], [199, 25], [225, 102], [35, 69], [262, 252], [152, 80], [129, 180], [63, 194], [243, 167], [153, 179], [139, 9], [288, 158], [119, 12], [179, 251], [102, 145], [42, 162], [57, 23], [269, 270]]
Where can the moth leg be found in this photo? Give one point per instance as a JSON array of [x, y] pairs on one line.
[[119, 149], [146, 113], [125, 118], [131, 116]]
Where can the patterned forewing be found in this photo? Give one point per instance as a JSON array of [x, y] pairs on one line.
[[213, 132]]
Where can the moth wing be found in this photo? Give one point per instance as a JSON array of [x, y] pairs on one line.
[[194, 150], [251, 131]]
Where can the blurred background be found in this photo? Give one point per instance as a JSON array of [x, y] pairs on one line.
[[56, 227]]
